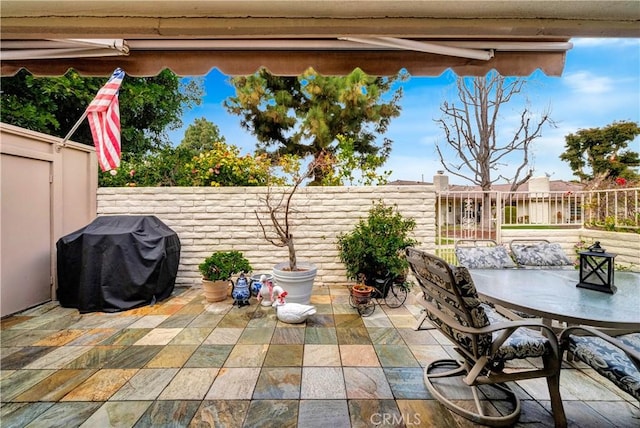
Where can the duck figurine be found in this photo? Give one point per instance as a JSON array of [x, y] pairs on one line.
[[292, 313]]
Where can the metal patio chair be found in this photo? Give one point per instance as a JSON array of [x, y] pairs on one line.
[[617, 358], [485, 340]]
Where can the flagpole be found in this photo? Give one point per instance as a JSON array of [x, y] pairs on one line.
[[73, 129], [104, 121]]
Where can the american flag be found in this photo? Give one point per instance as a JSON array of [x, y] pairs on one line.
[[104, 120]]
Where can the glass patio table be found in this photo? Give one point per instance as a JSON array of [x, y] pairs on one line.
[[552, 295]]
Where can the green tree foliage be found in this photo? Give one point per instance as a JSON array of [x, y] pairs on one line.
[[304, 115], [602, 153], [148, 106], [182, 166], [349, 167], [201, 135], [167, 166]]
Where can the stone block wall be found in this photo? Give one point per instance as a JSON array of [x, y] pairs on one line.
[[223, 218], [217, 219], [626, 246]]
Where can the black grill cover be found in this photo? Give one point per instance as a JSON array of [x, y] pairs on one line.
[[117, 263]]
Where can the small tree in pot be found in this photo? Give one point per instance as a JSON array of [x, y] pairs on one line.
[[279, 209], [374, 248], [293, 276]]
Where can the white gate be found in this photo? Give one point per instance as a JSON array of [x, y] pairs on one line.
[[486, 215]]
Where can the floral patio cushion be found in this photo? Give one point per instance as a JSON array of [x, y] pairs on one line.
[[523, 343], [484, 257], [541, 254], [469, 296], [608, 360]]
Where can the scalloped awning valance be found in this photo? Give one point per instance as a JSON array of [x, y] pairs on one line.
[[283, 57]]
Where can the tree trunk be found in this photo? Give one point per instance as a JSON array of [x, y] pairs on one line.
[[293, 264], [485, 216]]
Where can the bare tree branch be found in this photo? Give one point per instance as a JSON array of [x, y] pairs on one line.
[[471, 131], [278, 209]]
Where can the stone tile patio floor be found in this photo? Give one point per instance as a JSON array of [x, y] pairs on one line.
[[185, 362]]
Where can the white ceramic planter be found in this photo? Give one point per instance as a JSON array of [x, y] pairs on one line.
[[297, 284]]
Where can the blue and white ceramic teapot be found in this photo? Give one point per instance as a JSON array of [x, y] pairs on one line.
[[241, 292]]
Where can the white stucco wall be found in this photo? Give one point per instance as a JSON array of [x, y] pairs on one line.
[[215, 219]]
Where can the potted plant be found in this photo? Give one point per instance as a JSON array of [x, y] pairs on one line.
[[361, 294], [294, 276], [374, 248], [217, 270]]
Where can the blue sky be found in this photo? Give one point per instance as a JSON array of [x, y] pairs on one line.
[[600, 84]]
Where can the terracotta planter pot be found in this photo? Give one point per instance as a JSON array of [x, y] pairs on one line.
[[361, 293], [215, 291]]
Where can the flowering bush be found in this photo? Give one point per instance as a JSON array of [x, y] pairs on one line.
[[182, 166], [223, 166]]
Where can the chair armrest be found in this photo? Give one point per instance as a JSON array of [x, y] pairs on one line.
[[511, 326], [508, 326]]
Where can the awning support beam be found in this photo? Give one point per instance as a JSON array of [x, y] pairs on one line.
[[417, 46]]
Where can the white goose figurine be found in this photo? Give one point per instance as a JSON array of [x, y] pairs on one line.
[[292, 313]]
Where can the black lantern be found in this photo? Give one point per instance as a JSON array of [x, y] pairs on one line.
[[596, 269]]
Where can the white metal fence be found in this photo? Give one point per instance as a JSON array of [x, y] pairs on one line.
[[615, 209], [485, 215]]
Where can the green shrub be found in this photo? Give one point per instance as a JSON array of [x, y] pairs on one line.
[[375, 247], [165, 167], [181, 166], [221, 265]]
